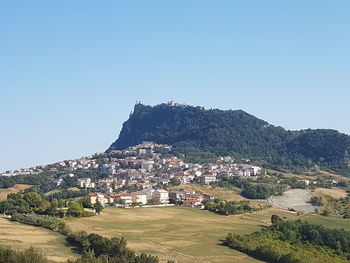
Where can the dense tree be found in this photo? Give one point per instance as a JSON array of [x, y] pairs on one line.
[[75, 209], [174, 181], [275, 220], [98, 207], [98, 249], [33, 199], [85, 202], [30, 202], [8, 255], [50, 222], [259, 191], [228, 207], [67, 194], [294, 242], [252, 189]]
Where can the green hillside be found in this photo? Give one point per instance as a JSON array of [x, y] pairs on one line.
[[233, 132]]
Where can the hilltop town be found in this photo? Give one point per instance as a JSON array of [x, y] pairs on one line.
[[140, 175]]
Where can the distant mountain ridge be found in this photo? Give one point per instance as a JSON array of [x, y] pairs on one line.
[[192, 129]]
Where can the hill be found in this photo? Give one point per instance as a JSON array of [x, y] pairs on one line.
[[18, 188], [196, 131]]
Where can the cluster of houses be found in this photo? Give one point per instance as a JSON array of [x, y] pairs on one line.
[[150, 178], [87, 163], [159, 197], [142, 165], [139, 175], [189, 198], [82, 163], [141, 198], [145, 164], [24, 171]]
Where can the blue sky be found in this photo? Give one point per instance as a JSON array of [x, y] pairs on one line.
[[70, 71]]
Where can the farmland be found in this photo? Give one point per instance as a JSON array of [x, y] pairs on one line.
[[181, 234], [20, 236], [331, 222], [335, 193]]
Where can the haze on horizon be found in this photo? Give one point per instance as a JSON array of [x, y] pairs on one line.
[[70, 72]]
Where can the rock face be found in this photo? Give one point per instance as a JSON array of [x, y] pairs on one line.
[[231, 132]]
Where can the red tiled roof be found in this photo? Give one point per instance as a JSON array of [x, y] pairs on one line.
[[125, 194]]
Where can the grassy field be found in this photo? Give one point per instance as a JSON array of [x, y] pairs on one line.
[[336, 176], [74, 189], [14, 189], [181, 234], [20, 236], [331, 222], [52, 192], [335, 193], [289, 174]]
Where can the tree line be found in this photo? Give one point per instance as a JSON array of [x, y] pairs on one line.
[[294, 242], [223, 207], [33, 202], [8, 255], [97, 248]]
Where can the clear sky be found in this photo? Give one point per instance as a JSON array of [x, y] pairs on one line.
[[70, 71]]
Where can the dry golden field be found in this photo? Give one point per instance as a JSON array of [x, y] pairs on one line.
[[14, 189], [181, 234], [20, 236], [185, 235], [335, 193]]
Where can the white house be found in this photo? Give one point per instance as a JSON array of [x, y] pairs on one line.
[[147, 165], [85, 183], [161, 196], [141, 197], [207, 179]]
